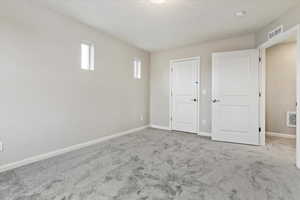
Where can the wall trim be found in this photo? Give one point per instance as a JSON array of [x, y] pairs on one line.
[[45, 156], [281, 135], [160, 127], [204, 134]]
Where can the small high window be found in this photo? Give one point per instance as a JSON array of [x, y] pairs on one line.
[[87, 56], [137, 72]]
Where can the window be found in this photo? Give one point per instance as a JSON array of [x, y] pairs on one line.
[[137, 63], [87, 56]]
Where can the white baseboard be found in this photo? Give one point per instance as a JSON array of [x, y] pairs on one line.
[[281, 135], [45, 156], [160, 127], [205, 134]]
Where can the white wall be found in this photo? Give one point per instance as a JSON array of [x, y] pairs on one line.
[[160, 76], [47, 102], [288, 20]]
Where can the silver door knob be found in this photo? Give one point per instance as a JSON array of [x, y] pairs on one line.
[[215, 100]]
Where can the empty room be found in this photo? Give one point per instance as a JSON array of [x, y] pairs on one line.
[[149, 100]]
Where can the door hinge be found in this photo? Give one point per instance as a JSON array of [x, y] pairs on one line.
[[259, 129], [259, 94], [171, 119], [172, 69], [171, 93], [260, 59]]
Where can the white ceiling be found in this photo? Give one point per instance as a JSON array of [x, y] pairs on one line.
[[176, 23]]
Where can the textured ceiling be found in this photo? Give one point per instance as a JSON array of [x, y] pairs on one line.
[[176, 23]]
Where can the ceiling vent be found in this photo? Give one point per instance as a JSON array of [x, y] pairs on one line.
[[275, 32]]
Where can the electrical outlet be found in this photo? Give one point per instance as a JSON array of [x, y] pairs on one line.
[[1, 146]]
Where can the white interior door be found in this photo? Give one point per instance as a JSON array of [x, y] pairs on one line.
[[235, 107], [184, 93]]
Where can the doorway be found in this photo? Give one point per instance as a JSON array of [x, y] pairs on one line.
[[184, 93], [279, 86], [281, 93]]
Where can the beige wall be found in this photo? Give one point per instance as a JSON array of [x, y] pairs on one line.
[[160, 76], [288, 20], [47, 101], [280, 87]]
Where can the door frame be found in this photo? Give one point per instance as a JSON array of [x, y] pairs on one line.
[[171, 89], [262, 77]]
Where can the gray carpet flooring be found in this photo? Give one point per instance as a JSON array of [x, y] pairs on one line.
[[160, 165]]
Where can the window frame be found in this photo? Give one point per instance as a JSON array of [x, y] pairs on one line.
[[137, 68], [91, 56]]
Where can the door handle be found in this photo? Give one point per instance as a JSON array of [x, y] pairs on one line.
[[215, 101], [195, 100]]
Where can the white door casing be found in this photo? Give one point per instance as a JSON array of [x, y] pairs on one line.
[[235, 96], [185, 95], [294, 31]]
